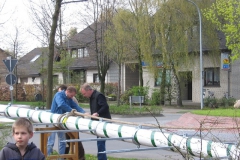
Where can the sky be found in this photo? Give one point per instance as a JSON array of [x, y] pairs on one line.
[[16, 14]]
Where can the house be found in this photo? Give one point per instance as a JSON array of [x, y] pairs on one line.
[[29, 66], [82, 48], [220, 76], [32, 67], [83, 68]]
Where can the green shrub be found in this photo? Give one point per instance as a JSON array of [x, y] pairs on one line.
[[124, 98], [135, 91], [222, 102], [211, 102], [140, 91], [231, 101], [79, 96], [5, 132], [156, 99], [111, 88]]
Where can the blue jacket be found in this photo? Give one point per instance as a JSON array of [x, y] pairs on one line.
[[62, 104]]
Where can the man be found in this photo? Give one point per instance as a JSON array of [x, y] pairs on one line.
[[99, 108], [62, 103], [81, 151]]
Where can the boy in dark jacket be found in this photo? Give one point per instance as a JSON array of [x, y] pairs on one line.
[[22, 130]]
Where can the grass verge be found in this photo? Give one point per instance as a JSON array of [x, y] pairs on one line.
[[221, 112], [92, 157]]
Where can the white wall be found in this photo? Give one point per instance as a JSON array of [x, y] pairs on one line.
[[37, 80], [89, 75], [195, 68], [235, 79], [148, 80], [112, 74], [60, 77]]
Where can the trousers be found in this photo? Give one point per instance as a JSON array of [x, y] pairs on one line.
[[61, 145], [101, 147]]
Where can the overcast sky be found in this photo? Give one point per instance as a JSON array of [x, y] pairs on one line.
[[15, 13]]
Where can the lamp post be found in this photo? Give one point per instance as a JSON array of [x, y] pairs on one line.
[[201, 58], [69, 52]]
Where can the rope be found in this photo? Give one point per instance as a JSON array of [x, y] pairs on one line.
[[59, 125], [68, 114]]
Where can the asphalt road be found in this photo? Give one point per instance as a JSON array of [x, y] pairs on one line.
[[91, 147]]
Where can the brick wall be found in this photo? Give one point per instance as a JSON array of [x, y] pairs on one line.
[[22, 93]]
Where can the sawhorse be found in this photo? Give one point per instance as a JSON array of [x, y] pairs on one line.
[[73, 151]]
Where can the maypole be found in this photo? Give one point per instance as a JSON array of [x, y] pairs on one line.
[[146, 137]]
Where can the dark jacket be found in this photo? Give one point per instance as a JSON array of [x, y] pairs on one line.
[[98, 103], [11, 152]]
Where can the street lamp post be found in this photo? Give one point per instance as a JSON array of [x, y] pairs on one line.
[[201, 58]]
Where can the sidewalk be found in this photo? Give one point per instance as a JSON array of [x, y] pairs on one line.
[[196, 122]]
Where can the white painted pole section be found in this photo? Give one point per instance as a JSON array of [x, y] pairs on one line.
[[193, 146]]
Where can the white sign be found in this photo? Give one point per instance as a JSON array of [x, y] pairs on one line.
[[11, 88]]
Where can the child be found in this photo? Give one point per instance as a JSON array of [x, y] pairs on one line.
[[22, 130]]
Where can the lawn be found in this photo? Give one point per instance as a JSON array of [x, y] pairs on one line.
[[36, 104], [23, 103], [92, 157], [223, 112]]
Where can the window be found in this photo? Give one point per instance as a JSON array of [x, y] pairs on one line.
[[82, 52], [78, 76], [74, 53], [86, 52], [212, 76], [35, 58], [158, 80], [95, 78]]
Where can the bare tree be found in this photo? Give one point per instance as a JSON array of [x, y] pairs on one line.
[[1, 8], [51, 52], [16, 44], [101, 13]]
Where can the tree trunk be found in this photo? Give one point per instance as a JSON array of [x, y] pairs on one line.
[[163, 87], [179, 96], [51, 53], [140, 73], [119, 83]]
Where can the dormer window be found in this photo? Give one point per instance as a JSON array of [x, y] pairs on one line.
[[35, 58], [82, 52]]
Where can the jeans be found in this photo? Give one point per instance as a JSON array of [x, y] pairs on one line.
[[101, 148], [61, 145]]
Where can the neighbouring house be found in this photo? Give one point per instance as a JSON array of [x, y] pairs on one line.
[[82, 69], [31, 65], [82, 47]]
